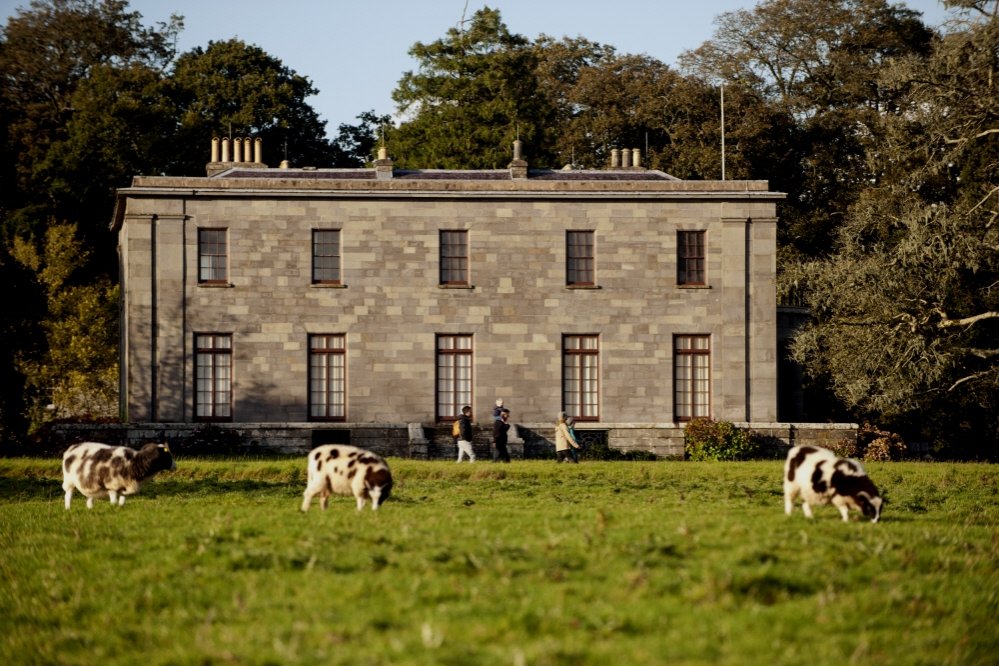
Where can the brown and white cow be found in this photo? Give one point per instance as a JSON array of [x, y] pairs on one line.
[[818, 476], [101, 470], [347, 470]]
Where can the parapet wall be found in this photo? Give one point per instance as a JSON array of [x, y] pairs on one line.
[[434, 442]]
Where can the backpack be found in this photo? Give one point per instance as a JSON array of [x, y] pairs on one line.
[[456, 429]]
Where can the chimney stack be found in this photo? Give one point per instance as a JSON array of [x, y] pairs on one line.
[[518, 165], [243, 152]]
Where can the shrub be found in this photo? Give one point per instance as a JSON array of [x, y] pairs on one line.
[[846, 448], [705, 439], [211, 440], [875, 444]]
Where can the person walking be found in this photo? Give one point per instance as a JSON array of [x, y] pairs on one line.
[[565, 443], [500, 428], [570, 423], [465, 435]]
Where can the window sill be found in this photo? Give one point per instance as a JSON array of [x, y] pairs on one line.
[[455, 286], [324, 285], [215, 285], [693, 286], [583, 287]]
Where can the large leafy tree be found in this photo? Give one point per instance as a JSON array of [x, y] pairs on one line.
[[354, 145], [46, 53], [88, 99], [232, 88], [473, 94], [819, 62], [906, 312]]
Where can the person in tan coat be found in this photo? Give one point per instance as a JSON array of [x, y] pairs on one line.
[[565, 443]]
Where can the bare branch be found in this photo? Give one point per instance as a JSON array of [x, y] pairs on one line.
[[947, 322], [972, 138]]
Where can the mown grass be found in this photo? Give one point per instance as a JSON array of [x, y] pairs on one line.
[[527, 563]]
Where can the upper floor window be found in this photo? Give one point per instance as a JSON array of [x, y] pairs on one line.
[[212, 377], [327, 377], [579, 271], [691, 377], [326, 256], [690, 258], [454, 375], [213, 256], [454, 258], [581, 377]]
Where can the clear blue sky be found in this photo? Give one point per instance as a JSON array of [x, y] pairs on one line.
[[355, 51]]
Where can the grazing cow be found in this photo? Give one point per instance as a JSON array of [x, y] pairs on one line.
[[818, 476], [100, 470], [347, 470]]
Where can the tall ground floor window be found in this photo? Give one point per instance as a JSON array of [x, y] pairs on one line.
[[212, 377], [327, 377], [691, 377], [454, 375], [580, 376]]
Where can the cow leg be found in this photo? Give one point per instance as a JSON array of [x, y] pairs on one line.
[[90, 502], [113, 495], [844, 511], [324, 501], [790, 493], [69, 496], [807, 508], [311, 489]]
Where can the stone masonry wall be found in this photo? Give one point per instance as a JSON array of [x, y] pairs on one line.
[[420, 442]]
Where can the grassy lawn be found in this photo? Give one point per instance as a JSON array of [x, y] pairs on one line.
[[529, 563]]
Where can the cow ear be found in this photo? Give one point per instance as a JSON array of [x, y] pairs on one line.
[[165, 447]]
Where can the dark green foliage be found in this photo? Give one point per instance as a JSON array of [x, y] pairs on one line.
[[706, 439], [210, 440]]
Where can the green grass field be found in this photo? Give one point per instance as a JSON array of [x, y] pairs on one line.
[[530, 563]]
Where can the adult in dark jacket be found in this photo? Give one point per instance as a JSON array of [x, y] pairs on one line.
[[500, 428], [465, 434]]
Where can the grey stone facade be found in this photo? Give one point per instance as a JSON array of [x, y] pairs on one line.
[[390, 306]]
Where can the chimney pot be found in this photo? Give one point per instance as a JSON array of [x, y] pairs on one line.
[[625, 158], [636, 157], [615, 158], [258, 151], [215, 149], [225, 149]]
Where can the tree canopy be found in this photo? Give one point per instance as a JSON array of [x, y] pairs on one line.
[[906, 310]]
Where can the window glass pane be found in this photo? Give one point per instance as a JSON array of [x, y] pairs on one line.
[[213, 376], [692, 376], [454, 257], [326, 255], [580, 376], [327, 377], [690, 257], [212, 255], [454, 374], [579, 258]]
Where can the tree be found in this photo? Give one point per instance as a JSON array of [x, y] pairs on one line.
[[906, 312], [46, 52], [232, 88], [77, 372], [354, 145], [472, 96], [820, 63]]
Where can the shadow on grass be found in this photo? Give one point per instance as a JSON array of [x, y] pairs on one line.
[[29, 489]]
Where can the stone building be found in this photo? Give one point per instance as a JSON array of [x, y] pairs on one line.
[[338, 302]]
